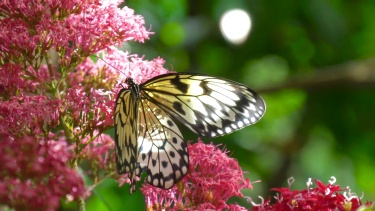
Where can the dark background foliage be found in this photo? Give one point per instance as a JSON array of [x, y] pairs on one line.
[[311, 60]]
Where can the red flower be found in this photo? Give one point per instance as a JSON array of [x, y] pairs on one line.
[[323, 197]]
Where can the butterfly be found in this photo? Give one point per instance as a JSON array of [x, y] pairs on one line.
[[147, 138]]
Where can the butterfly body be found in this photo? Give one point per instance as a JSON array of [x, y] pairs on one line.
[[147, 137]]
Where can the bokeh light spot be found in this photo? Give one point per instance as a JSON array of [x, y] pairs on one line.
[[235, 25]]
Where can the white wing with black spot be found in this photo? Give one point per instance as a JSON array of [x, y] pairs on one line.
[[163, 152], [209, 106]]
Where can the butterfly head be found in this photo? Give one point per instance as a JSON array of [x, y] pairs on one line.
[[134, 88], [129, 81]]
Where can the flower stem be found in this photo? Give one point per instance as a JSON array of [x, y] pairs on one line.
[[81, 204], [81, 200]]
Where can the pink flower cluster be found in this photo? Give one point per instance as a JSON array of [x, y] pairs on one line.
[[49, 88], [28, 115], [212, 179], [100, 152], [35, 175], [132, 66], [74, 28]]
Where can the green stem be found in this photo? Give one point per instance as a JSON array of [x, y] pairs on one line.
[[70, 138], [81, 200], [96, 183], [81, 204]]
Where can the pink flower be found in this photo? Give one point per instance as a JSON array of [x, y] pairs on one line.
[[131, 65], [25, 30], [323, 197], [17, 81], [100, 152], [212, 179], [93, 75], [35, 173], [75, 29], [89, 111], [16, 41], [28, 115], [11, 80], [14, 82], [101, 24]]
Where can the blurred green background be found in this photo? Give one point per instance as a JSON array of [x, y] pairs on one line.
[[311, 60]]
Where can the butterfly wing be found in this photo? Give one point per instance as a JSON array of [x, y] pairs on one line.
[[209, 106], [126, 117], [147, 138], [163, 152]]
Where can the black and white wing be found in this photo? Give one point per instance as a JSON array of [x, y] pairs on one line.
[[148, 139], [207, 105], [163, 151]]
